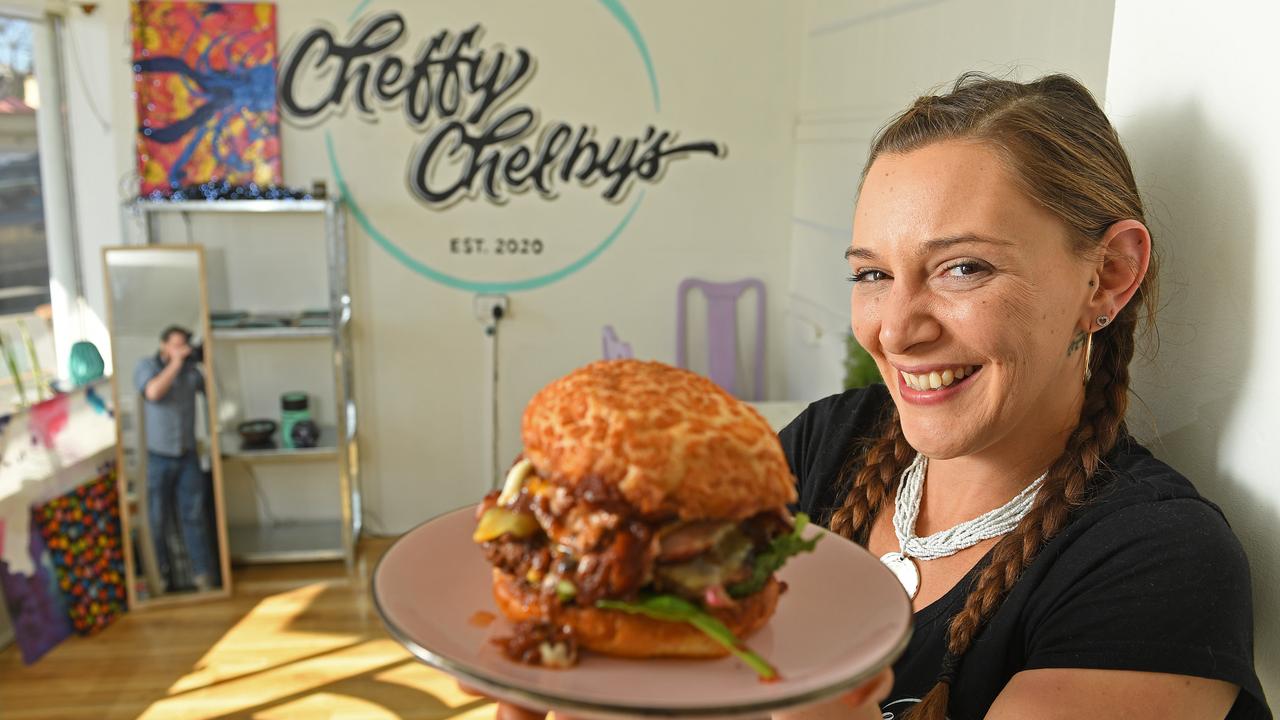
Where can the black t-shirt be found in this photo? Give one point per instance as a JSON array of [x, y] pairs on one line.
[[1147, 576]]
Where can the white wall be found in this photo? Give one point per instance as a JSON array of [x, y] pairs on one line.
[[1188, 92], [861, 63], [92, 92], [419, 350]]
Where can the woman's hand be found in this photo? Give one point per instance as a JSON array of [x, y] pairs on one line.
[[507, 711], [861, 703]]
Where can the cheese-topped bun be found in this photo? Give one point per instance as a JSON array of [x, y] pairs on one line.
[[672, 442]]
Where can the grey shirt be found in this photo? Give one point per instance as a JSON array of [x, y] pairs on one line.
[[170, 422]]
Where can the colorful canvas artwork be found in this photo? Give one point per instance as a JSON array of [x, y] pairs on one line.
[[78, 579], [82, 532], [205, 89]]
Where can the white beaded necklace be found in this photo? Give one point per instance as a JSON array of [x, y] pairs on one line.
[[906, 508]]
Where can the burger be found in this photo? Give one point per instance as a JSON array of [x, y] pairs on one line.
[[645, 517]]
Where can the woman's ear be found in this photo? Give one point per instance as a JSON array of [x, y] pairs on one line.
[[1125, 256]]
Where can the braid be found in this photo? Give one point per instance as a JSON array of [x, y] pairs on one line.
[[1066, 487], [873, 484]]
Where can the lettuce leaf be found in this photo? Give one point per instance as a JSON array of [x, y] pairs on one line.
[[671, 608], [768, 562]]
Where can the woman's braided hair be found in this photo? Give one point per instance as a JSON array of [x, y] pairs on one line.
[[1064, 153]]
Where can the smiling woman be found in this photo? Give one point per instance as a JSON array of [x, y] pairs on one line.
[[1000, 265]]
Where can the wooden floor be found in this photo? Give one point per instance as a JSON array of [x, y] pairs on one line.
[[294, 641]]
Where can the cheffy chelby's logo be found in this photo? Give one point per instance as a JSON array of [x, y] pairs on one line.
[[477, 139], [479, 142]]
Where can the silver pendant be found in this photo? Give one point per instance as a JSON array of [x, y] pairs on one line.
[[903, 568]]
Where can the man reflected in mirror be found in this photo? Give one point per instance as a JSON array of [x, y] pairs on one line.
[[176, 488]]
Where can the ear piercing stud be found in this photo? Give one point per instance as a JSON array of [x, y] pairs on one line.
[[1103, 320]]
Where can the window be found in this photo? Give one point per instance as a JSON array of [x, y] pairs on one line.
[[24, 258]]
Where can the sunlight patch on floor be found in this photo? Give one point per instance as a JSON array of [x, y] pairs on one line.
[[330, 706], [262, 640], [280, 682], [422, 678]]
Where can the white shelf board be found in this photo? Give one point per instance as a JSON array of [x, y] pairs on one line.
[[286, 542], [273, 333], [232, 206], [326, 449]]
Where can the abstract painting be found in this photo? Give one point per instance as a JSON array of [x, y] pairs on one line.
[[205, 91]]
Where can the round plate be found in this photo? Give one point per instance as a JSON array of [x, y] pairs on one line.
[[843, 618]]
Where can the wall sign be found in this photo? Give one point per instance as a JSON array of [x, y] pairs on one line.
[[478, 142]]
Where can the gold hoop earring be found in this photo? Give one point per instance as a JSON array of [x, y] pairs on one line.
[[1088, 358]]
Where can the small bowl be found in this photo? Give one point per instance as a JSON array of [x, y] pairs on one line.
[[256, 432]]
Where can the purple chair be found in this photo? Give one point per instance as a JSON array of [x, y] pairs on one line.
[[722, 332], [615, 349]]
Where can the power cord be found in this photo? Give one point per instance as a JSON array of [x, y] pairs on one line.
[[498, 314], [84, 87], [272, 520]]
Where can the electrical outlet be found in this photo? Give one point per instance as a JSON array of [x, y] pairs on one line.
[[485, 305]]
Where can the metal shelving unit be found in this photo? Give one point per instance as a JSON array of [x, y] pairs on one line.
[[313, 539]]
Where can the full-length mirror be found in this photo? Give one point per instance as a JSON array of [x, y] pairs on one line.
[[170, 478]]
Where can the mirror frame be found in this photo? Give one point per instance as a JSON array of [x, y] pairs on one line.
[[215, 451]]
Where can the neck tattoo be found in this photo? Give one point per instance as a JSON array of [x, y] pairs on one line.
[[1076, 342]]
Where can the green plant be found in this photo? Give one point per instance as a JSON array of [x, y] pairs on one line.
[[6, 350], [33, 358], [859, 369]]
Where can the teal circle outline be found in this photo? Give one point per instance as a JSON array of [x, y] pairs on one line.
[[620, 13]]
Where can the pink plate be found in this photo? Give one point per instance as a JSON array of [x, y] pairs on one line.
[[843, 618]]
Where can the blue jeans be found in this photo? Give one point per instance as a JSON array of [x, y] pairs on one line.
[[179, 479]]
